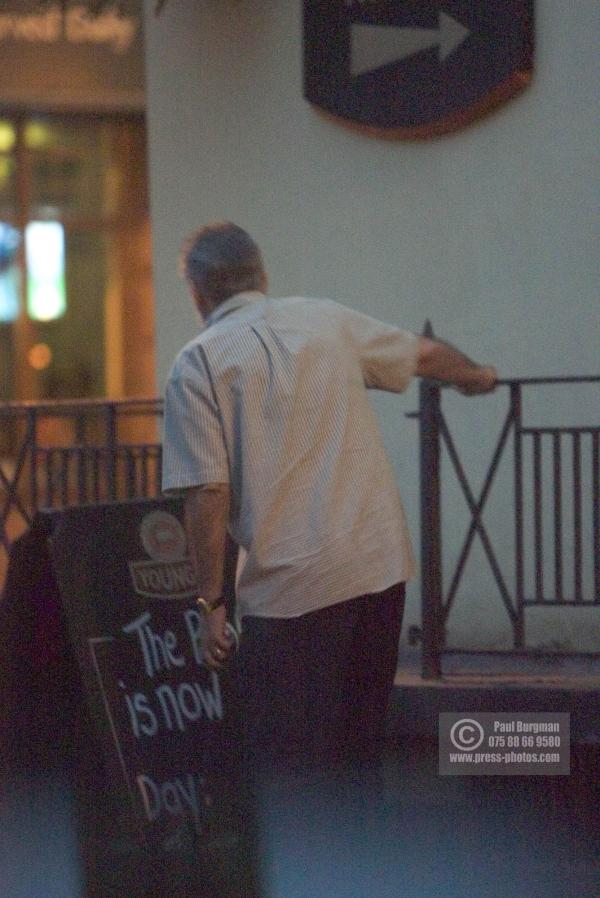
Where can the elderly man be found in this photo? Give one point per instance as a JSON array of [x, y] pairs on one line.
[[270, 434]]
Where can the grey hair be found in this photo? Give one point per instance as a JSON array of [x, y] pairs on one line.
[[220, 260]]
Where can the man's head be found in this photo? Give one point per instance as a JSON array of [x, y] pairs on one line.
[[220, 260]]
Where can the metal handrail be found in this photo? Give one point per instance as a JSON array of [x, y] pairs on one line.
[[435, 436], [57, 406], [569, 379]]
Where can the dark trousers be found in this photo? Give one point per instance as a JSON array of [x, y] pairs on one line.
[[313, 690], [310, 698]]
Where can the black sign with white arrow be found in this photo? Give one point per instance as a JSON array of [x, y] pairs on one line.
[[415, 68]]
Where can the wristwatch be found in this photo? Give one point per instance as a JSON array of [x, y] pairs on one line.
[[207, 606]]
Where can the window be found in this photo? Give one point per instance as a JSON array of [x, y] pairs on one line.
[[73, 189]]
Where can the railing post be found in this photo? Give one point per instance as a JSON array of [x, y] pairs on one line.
[[111, 450], [80, 425], [31, 438], [519, 624], [431, 534]]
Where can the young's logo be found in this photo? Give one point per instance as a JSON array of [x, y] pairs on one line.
[[415, 69], [162, 536], [169, 574]]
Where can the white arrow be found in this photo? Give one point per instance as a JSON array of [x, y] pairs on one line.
[[377, 45]]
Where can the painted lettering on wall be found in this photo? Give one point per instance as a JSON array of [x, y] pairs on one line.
[[75, 25]]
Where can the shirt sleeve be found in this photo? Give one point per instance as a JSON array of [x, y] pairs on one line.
[[387, 354], [194, 450]]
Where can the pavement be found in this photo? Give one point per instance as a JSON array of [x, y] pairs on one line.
[[495, 683], [424, 836]]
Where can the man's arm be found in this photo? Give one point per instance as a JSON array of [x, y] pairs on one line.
[[442, 361], [206, 511], [389, 357]]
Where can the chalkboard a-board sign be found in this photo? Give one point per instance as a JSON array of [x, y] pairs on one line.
[[128, 590]]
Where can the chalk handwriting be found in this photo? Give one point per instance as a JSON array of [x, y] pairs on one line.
[[159, 651], [176, 797]]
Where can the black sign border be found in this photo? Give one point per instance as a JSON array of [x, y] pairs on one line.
[[511, 87]]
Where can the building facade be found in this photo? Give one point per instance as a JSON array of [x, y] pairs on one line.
[[488, 232]]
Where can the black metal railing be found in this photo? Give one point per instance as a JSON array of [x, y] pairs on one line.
[[63, 453], [57, 454], [538, 506]]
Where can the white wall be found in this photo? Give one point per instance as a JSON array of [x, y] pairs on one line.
[[489, 232]]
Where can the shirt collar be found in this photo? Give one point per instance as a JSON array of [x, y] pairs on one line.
[[238, 301]]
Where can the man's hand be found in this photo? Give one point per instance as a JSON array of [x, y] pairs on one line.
[[484, 381], [440, 361], [217, 643]]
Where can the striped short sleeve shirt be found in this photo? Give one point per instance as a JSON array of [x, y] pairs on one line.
[[271, 397]]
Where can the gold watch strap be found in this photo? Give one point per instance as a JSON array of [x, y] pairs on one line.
[[207, 606]]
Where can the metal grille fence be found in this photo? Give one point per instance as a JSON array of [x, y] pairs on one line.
[[57, 454], [555, 480], [53, 455]]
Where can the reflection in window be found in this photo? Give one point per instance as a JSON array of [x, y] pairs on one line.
[[45, 255], [39, 356], [6, 166], [9, 273], [8, 136], [37, 135], [9, 295]]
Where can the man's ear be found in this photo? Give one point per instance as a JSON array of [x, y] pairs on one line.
[[199, 299], [191, 289]]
